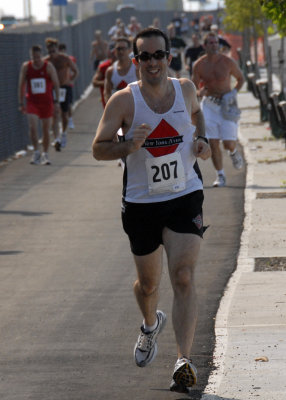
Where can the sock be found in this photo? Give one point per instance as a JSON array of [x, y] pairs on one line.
[[220, 172], [148, 328]]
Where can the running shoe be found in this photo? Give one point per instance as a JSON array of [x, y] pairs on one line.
[[70, 123], [145, 349], [45, 159], [36, 158], [220, 181], [57, 145], [237, 160], [184, 376], [63, 140]]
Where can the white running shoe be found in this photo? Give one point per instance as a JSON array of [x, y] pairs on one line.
[[63, 139], [184, 376], [237, 160], [145, 349], [70, 123], [220, 181], [45, 159], [36, 158]]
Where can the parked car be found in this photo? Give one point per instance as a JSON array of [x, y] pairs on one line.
[[6, 21]]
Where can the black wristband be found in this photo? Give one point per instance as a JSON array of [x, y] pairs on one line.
[[203, 138]]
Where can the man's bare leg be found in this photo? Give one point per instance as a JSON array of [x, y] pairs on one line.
[[146, 287], [182, 252], [46, 124], [216, 154], [33, 130]]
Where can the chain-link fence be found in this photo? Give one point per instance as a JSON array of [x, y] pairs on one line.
[[14, 50]]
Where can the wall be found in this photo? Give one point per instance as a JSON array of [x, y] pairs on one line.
[[14, 50]]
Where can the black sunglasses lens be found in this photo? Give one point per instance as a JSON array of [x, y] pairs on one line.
[[159, 55], [144, 56]]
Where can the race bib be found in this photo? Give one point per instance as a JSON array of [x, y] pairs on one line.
[[38, 85], [63, 93], [165, 174]]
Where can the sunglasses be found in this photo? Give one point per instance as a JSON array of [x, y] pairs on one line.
[[121, 48], [158, 55]]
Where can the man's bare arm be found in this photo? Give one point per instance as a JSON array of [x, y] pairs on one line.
[[22, 83], [108, 84], [104, 145], [54, 77], [200, 145], [237, 73], [74, 69], [98, 79]]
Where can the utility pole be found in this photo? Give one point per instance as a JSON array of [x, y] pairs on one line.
[[28, 11]]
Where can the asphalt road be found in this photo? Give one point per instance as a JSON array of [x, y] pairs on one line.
[[68, 317]]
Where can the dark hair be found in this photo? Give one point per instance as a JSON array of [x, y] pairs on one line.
[[149, 32], [62, 46], [123, 39], [36, 47]]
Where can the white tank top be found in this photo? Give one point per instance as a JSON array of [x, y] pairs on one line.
[[165, 167], [120, 82]]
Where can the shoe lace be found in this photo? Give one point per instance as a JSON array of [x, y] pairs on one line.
[[146, 340]]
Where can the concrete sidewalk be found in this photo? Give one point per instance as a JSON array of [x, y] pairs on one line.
[[250, 354]]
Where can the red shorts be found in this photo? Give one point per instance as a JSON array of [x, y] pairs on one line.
[[42, 110]]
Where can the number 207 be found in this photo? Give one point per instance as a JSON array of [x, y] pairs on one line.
[[164, 171]]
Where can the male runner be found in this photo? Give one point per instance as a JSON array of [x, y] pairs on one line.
[[122, 72], [63, 49], [67, 73], [99, 49], [37, 80], [214, 70], [99, 77], [163, 133]]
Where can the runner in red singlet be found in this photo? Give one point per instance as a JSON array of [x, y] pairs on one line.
[[37, 79]]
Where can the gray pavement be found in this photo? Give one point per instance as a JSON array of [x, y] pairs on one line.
[[250, 353], [68, 316]]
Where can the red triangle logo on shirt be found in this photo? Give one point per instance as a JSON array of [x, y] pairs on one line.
[[163, 140], [121, 85]]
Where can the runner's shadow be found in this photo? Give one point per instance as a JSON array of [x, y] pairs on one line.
[[10, 252], [25, 213], [192, 395], [215, 397]]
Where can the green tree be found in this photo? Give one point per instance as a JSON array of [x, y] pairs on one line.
[[245, 16], [275, 10]]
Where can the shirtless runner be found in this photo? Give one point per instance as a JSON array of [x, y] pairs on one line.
[[215, 71], [99, 49], [67, 73]]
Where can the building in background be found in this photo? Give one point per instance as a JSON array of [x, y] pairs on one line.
[[82, 9]]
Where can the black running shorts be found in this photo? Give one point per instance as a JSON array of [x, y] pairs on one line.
[[68, 100], [144, 223]]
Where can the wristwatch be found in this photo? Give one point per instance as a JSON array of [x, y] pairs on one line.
[[201, 137]]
